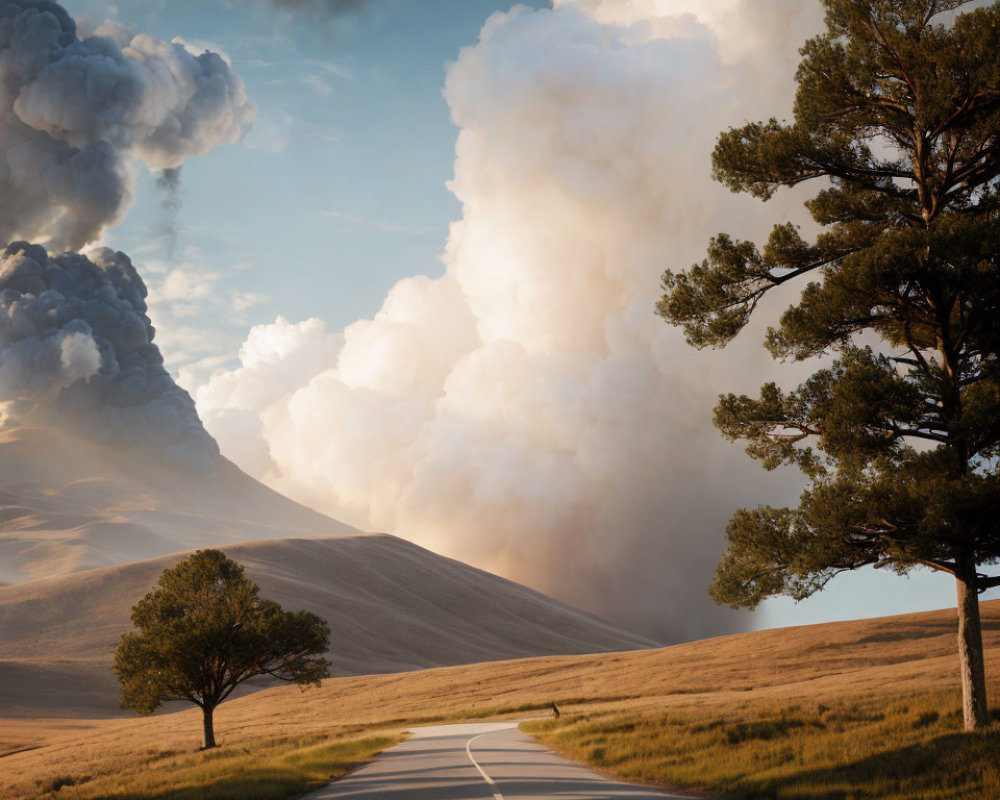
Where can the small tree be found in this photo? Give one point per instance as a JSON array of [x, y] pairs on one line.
[[898, 113], [203, 631]]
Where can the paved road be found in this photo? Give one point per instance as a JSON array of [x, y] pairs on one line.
[[483, 761]]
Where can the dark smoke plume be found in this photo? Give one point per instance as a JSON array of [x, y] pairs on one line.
[[76, 351], [169, 184], [75, 114]]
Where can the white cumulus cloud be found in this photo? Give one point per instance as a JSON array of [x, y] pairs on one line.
[[527, 411]]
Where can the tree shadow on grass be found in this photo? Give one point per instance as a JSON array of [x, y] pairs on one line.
[[242, 779], [955, 765]]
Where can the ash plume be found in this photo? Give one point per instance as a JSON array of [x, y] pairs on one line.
[[527, 412], [77, 114], [168, 183], [77, 352]]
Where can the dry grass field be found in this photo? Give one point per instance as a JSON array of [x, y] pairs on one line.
[[892, 746], [846, 710], [273, 769]]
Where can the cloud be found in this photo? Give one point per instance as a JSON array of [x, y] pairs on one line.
[[181, 295], [198, 46], [527, 412], [273, 359], [185, 284], [40, 367], [76, 114], [318, 84], [271, 134], [76, 351], [244, 300]]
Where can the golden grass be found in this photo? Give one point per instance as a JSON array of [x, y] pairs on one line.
[[890, 747], [272, 770], [885, 664]]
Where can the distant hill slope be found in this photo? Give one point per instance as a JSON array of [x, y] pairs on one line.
[[67, 503], [392, 606]]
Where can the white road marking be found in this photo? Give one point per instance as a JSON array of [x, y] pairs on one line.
[[492, 783]]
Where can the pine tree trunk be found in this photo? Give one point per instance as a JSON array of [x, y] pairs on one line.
[[970, 648], [210, 730]]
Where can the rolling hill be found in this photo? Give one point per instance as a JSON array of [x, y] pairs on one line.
[[884, 691], [392, 606]]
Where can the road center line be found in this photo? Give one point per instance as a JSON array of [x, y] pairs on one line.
[[492, 783]]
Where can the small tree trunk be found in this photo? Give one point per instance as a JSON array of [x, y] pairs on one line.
[[970, 648], [209, 729]]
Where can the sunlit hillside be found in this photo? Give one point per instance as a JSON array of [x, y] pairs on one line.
[[390, 604], [69, 503], [906, 663]]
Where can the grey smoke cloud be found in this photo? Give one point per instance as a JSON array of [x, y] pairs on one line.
[[76, 351], [76, 114]]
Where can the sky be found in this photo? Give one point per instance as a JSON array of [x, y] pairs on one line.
[[418, 293], [341, 180]]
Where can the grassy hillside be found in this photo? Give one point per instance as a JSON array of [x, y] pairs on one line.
[[272, 770], [847, 710], [890, 746], [391, 606]]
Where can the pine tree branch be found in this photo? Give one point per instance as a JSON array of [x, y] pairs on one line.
[[985, 582], [941, 566]]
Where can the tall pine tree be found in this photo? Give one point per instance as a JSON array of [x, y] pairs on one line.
[[897, 117]]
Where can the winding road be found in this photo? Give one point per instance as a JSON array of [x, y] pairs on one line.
[[481, 761]]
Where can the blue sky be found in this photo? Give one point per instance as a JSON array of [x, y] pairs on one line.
[[339, 190]]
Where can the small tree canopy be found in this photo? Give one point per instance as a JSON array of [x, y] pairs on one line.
[[204, 630]]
